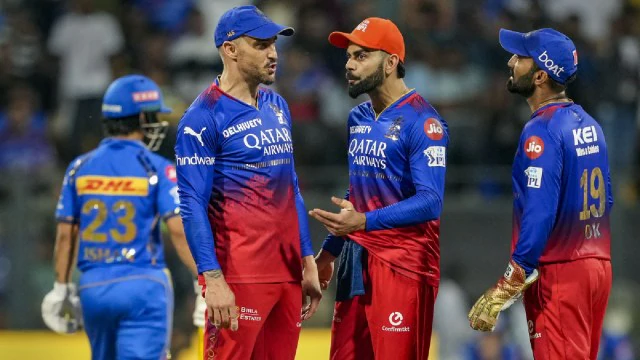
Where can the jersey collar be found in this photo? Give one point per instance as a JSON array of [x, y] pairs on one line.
[[549, 106], [393, 105], [216, 84], [111, 141]]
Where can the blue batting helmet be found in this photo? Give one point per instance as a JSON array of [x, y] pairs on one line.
[[130, 95]]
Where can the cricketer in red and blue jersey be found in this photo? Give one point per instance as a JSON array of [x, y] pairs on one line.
[[243, 213], [389, 270], [562, 188]]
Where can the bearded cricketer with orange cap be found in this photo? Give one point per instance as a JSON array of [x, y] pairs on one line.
[[388, 227]]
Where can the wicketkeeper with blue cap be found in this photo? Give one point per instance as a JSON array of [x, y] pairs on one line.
[[560, 259], [111, 203]]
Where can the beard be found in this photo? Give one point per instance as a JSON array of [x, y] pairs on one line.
[[260, 76], [524, 85], [367, 84], [257, 74]]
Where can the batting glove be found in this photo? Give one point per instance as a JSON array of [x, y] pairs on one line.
[[200, 307], [61, 310]]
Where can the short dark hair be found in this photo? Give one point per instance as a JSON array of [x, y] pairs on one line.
[[121, 126], [553, 84], [400, 70]]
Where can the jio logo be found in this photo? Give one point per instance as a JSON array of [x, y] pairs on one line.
[[533, 147], [395, 318], [433, 129]]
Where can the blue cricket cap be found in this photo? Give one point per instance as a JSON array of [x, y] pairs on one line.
[[247, 20], [130, 95], [551, 50]]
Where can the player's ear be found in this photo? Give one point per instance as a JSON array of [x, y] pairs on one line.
[[391, 63], [540, 77], [230, 49]]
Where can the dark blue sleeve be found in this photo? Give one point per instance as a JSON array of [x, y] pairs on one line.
[[306, 248], [195, 172], [334, 244], [68, 209], [168, 202], [427, 156], [543, 173], [303, 223]]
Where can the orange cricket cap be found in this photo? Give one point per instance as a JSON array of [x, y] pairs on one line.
[[372, 33]]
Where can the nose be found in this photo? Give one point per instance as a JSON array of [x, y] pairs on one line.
[[512, 61], [272, 54], [350, 65]]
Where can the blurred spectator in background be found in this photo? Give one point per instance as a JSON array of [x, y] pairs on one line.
[[193, 59], [619, 108], [84, 40], [616, 341], [22, 49], [24, 142], [450, 322], [496, 345], [165, 15]]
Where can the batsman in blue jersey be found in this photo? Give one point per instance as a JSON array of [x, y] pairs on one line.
[[561, 238], [111, 204]]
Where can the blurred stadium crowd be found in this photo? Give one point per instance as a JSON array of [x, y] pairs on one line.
[[57, 57]]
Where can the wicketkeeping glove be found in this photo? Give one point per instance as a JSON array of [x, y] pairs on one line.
[[484, 314], [200, 307], [61, 310]]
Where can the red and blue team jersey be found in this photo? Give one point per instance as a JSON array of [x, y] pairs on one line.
[[562, 189], [117, 194], [240, 203], [397, 163]]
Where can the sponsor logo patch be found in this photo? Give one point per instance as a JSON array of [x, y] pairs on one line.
[[112, 185], [170, 172], [534, 177], [141, 96], [433, 129], [533, 147], [437, 156]]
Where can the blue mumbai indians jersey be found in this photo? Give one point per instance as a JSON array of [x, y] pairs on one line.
[[117, 194], [240, 203], [397, 163], [562, 188]]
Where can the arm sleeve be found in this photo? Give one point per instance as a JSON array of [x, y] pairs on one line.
[[67, 209], [334, 244], [306, 247], [168, 202], [195, 172], [303, 223], [541, 194], [427, 157]]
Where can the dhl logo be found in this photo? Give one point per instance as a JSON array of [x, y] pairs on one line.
[[111, 185]]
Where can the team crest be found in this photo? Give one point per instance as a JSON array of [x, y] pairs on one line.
[[279, 114], [394, 130]]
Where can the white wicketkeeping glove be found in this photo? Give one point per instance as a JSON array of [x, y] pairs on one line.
[[61, 310], [201, 306]]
